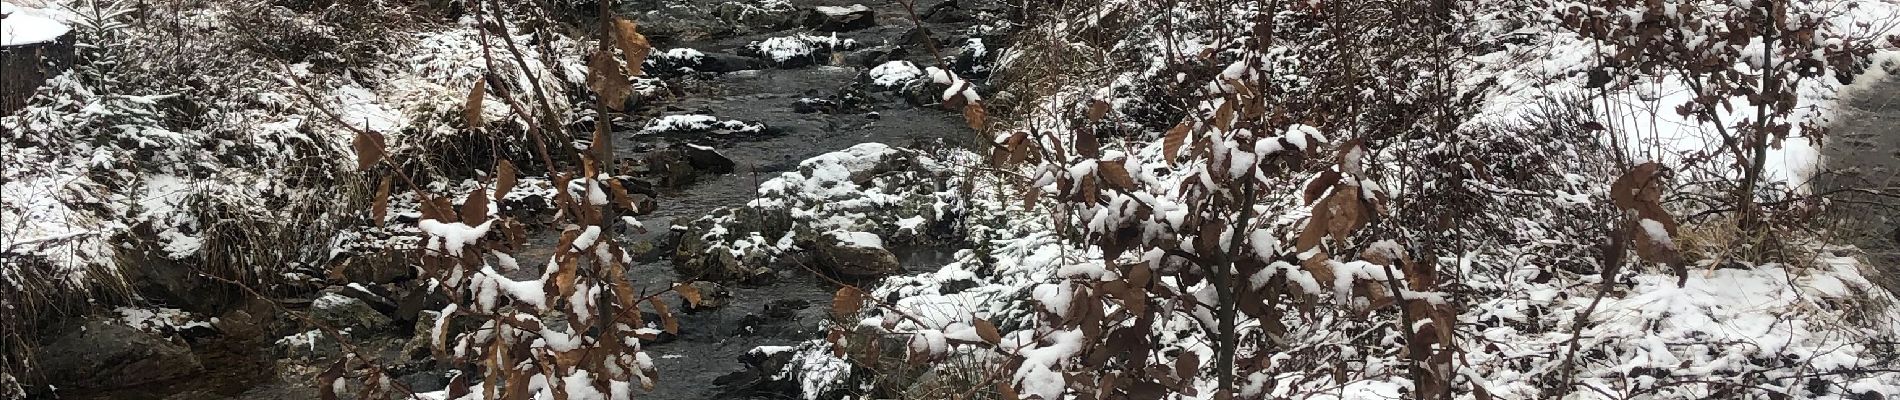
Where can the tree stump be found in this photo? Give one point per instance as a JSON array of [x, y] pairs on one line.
[[27, 65]]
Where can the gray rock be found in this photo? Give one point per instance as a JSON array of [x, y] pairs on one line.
[[727, 62], [720, 257], [856, 255], [874, 55], [711, 295], [947, 12], [175, 283], [420, 345], [839, 19], [377, 268], [103, 355], [341, 311], [307, 345], [765, 17], [706, 159]]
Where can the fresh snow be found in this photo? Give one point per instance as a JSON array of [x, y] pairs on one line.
[[895, 74], [24, 26]]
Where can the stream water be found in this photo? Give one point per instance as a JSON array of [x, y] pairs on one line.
[[1863, 151], [710, 341]]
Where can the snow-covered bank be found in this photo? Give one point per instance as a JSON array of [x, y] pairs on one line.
[[1499, 175]]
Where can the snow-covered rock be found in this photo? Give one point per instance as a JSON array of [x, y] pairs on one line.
[[840, 18], [855, 255], [798, 50], [898, 195]]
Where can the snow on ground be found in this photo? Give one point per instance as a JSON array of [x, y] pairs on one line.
[[25, 25], [1777, 325], [1642, 114], [161, 319], [36, 220]]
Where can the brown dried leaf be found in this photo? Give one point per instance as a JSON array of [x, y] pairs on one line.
[[1115, 173], [1171, 143], [668, 322], [974, 114], [688, 292], [504, 179], [1030, 196], [1653, 247], [326, 381], [1018, 147], [1349, 214], [1097, 109], [379, 207], [472, 109], [1224, 116], [846, 303], [1637, 186], [987, 331], [1006, 391], [1318, 186], [1187, 365], [620, 197], [369, 149], [566, 273], [475, 208], [1139, 275], [627, 36], [1087, 145], [1315, 230], [605, 78], [1208, 241], [438, 208]]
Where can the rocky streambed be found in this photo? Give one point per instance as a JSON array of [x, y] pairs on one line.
[[753, 90]]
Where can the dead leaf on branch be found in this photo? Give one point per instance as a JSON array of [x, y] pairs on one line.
[[974, 114], [1172, 141], [369, 149], [475, 208], [987, 331], [379, 208], [1115, 173], [472, 109], [846, 303], [688, 292], [1097, 109], [1086, 144], [1652, 230], [667, 321], [607, 81], [504, 179], [627, 37]]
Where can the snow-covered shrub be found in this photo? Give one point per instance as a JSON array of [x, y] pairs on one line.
[[1753, 72], [1442, 237], [156, 154]]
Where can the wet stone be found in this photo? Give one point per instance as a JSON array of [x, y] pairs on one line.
[[840, 19]]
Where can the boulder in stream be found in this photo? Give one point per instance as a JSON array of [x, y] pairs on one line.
[[341, 311], [105, 355], [856, 255], [707, 159], [840, 19]]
